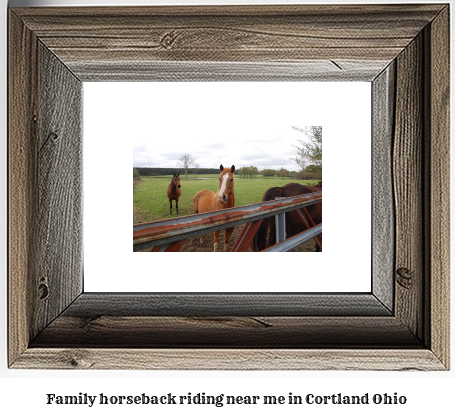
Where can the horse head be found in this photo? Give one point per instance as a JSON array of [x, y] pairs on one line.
[[176, 180], [226, 186]]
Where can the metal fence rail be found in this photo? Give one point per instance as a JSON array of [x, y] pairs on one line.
[[296, 240], [167, 231]]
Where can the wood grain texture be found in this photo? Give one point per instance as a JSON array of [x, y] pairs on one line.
[[21, 172], [229, 359], [90, 305], [227, 34], [408, 188], [439, 186], [383, 215], [156, 71], [57, 220], [53, 49], [256, 332], [44, 223]]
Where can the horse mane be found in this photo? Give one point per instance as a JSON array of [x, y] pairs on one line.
[[272, 193]]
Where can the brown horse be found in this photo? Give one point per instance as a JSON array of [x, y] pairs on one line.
[[174, 192], [208, 201], [266, 234]]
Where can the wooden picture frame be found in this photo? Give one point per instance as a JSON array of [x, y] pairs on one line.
[[403, 324]]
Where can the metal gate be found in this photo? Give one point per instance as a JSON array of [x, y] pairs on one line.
[[170, 234]]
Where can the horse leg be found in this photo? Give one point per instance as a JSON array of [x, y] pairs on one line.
[[170, 206], [177, 206], [216, 239], [227, 235]]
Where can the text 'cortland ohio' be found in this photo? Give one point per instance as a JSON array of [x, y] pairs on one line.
[[219, 400]]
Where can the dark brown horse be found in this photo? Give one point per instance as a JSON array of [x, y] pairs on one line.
[[208, 201], [174, 192], [266, 234]]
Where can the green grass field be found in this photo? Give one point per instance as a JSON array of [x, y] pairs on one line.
[[150, 201]]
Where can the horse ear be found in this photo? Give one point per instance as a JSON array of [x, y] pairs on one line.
[[221, 167], [232, 169], [178, 174]]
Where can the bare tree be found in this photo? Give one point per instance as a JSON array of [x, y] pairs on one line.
[[195, 166], [186, 161]]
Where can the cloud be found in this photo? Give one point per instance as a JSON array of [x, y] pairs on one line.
[[269, 151]]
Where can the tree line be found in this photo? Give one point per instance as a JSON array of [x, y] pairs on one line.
[[165, 171], [243, 172], [310, 172]]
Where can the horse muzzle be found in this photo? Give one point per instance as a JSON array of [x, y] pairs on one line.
[[222, 199], [178, 186]]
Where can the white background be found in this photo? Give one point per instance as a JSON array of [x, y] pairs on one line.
[[25, 391], [120, 115]]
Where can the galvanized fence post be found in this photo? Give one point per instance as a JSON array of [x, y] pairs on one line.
[[280, 224]]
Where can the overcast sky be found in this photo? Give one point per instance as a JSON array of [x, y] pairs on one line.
[[245, 124]]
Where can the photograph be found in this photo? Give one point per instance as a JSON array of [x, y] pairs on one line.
[[178, 164]]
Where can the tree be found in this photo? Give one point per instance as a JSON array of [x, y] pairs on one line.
[[269, 172], [313, 168], [310, 153], [283, 173], [311, 172], [196, 166], [186, 161], [253, 171]]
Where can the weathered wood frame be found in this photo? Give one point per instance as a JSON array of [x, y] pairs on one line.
[[403, 50]]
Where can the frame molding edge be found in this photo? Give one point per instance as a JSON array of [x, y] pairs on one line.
[[29, 297]]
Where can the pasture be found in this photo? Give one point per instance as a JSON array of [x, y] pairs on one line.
[[150, 201]]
